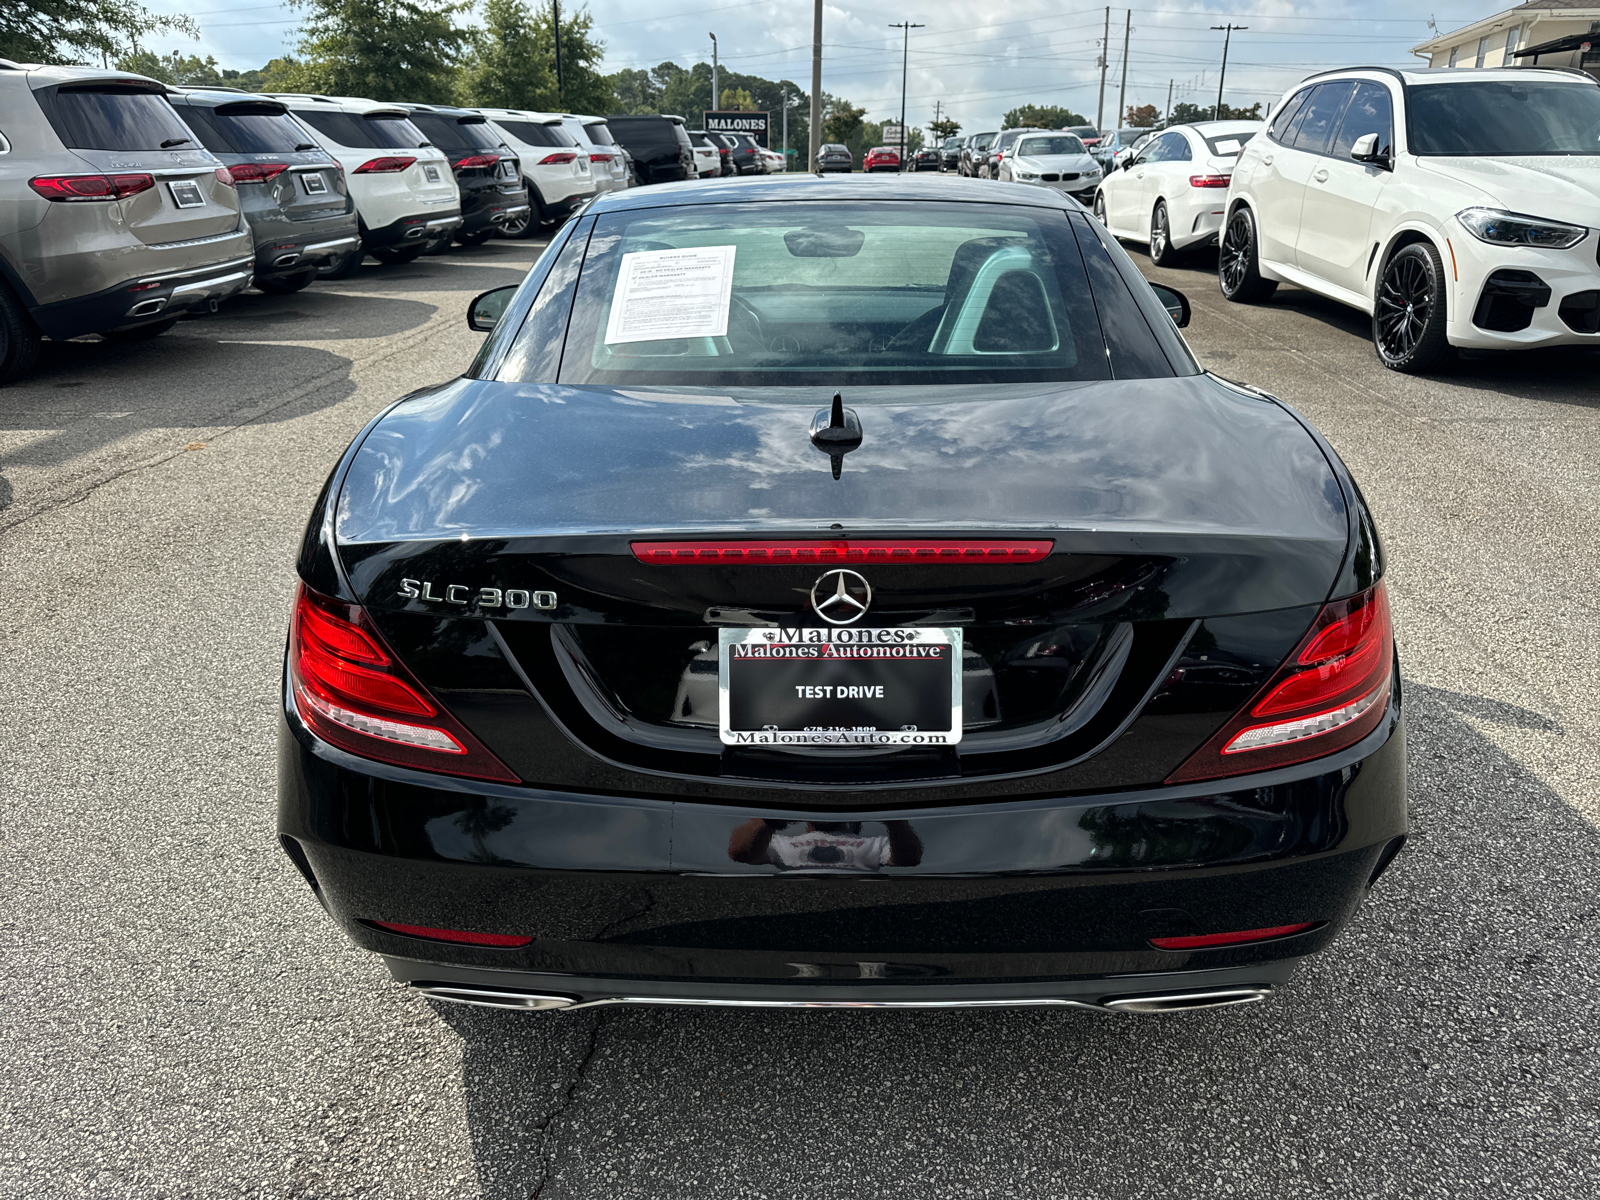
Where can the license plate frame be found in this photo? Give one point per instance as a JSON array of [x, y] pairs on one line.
[[903, 664], [314, 183], [430, 173], [186, 193]]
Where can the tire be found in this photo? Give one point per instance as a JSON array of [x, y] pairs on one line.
[[342, 268], [1408, 316], [1100, 208], [528, 224], [140, 333], [438, 245], [1162, 253], [398, 258], [474, 239], [288, 283], [19, 338], [1238, 262]]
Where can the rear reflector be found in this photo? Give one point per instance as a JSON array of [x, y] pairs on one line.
[[810, 552], [1210, 181], [352, 692], [256, 172], [507, 940], [1230, 939], [1329, 694], [90, 187], [383, 166]]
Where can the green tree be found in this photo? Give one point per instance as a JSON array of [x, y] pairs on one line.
[[1185, 113], [737, 100], [185, 70], [842, 122], [636, 91], [279, 75], [944, 129], [1144, 117], [512, 63], [64, 31], [383, 49], [1253, 113], [1042, 117]]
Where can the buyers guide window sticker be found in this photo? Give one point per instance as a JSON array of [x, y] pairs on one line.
[[664, 294]]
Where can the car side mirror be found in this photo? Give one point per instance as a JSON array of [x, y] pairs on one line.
[[1174, 301], [1365, 150], [486, 309], [1127, 163]]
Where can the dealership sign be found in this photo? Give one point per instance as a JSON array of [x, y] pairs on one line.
[[755, 124]]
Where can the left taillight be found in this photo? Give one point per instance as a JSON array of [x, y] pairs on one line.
[[352, 692], [556, 159], [387, 165], [1329, 694], [1210, 181], [601, 157], [71, 188], [477, 160], [253, 172]]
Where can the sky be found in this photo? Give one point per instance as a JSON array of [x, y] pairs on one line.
[[973, 61]]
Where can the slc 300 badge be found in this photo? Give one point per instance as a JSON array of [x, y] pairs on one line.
[[461, 594]]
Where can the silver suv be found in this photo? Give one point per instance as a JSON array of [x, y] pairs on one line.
[[114, 219]]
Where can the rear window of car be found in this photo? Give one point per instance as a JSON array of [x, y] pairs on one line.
[[384, 132], [1060, 143], [1504, 117], [648, 133], [825, 294], [250, 127], [535, 134], [114, 117], [452, 133], [600, 133], [1226, 145]]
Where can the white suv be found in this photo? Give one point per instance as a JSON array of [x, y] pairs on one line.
[[1455, 206], [554, 164], [404, 189]]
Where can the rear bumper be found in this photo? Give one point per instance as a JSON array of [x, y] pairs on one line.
[[410, 230], [490, 206], [1027, 901], [158, 297], [287, 248]]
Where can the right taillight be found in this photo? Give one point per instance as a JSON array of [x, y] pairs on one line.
[[91, 187], [352, 692], [256, 172], [556, 159], [1329, 694], [387, 165]]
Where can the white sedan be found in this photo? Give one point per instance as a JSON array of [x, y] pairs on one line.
[[1056, 160], [1173, 192]]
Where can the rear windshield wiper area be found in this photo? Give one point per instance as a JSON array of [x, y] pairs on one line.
[[171, 142]]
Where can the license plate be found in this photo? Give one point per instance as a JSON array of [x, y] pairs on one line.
[[431, 174], [186, 193], [840, 687], [315, 184]]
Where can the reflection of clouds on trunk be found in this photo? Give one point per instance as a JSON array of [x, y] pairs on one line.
[[1172, 454]]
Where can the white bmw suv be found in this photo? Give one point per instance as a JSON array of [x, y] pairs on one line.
[[1457, 207]]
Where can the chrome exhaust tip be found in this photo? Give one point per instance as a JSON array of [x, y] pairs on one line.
[[414, 233], [478, 997], [1188, 1001], [286, 260], [147, 308]]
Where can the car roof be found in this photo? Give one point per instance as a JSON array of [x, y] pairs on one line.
[[1458, 74], [351, 104], [217, 97], [445, 110], [802, 186], [519, 114], [1213, 128], [45, 73]]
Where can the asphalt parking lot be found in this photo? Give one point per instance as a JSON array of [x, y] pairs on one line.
[[183, 1021]]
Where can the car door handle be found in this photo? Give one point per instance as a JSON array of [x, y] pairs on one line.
[[1266, 160], [1322, 175], [1140, 175]]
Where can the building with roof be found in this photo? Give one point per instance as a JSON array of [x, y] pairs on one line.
[[1543, 33]]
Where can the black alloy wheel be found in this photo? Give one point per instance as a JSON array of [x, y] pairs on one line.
[[140, 333], [1408, 315], [398, 256], [342, 267], [1238, 266], [19, 338], [474, 239], [286, 284], [1162, 251]]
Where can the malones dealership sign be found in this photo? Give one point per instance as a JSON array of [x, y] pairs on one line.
[[756, 124]]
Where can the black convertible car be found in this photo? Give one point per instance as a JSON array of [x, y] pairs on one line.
[[840, 592]]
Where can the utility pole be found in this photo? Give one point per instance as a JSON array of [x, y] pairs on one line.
[[1122, 92], [1216, 113], [814, 133], [905, 60], [555, 13], [1166, 117], [1105, 56], [716, 96]]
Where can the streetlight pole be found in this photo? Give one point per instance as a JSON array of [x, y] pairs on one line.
[[1122, 92], [1166, 117], [555, 15], [905, 59], [1231, 29], [716, 96], [1105, 61], [814, 133]]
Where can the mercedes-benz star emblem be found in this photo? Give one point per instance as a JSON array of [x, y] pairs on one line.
[[840, 596]]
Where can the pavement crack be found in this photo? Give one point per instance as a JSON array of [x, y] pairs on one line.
[[568, 1099]]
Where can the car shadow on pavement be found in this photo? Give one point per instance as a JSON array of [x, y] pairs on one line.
[[1445, 1046], [311, 315], [426, 275]]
